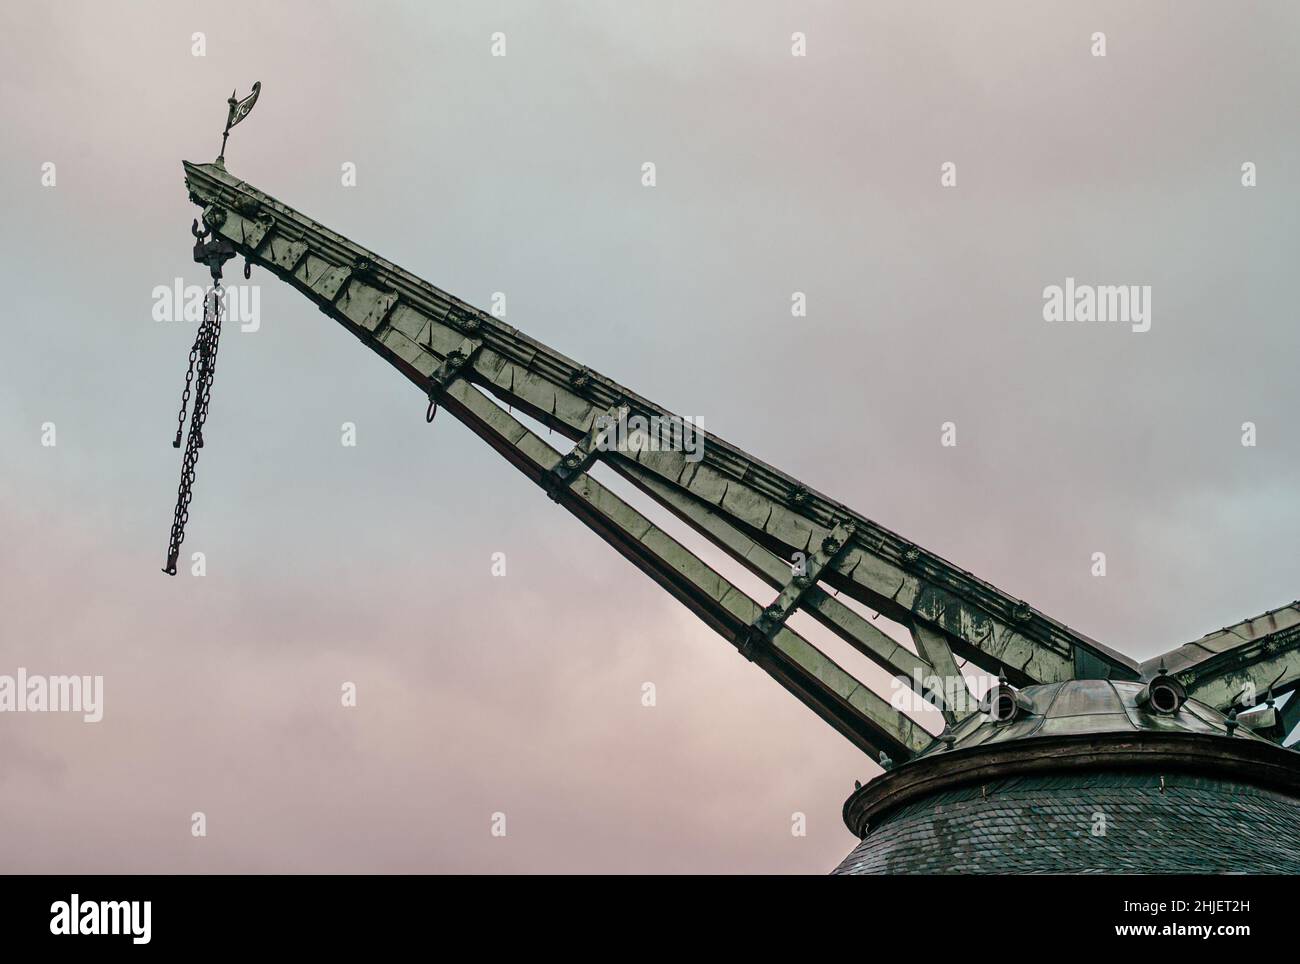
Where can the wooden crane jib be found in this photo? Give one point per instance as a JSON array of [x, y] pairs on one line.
[[458, 356]]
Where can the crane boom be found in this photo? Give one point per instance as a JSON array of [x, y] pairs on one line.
[[459, 355]]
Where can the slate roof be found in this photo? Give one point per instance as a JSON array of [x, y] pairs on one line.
[[1097, 811], [1045, 824]]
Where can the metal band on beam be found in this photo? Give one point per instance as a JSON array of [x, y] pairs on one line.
[[583, 454], [450, 369]]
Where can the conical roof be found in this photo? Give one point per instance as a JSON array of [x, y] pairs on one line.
[[1087, 706]]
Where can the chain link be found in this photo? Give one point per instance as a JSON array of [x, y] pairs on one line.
[[189, 378], [204, 353]]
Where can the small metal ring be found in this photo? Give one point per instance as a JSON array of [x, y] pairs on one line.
[[431, 411]]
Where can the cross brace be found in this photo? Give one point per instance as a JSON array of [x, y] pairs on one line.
[[580, 458], [803, 577]]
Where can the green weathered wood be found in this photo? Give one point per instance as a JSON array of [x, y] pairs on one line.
[[416, 337], [752, 511], [984, 624], [931, 644], [855, 710], [1225, 667], [873, 643]]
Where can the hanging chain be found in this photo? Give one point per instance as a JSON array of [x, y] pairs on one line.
[[204, 353], [213, 251], [189, 377]]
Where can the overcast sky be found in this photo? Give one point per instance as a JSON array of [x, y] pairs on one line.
[[522, 174]]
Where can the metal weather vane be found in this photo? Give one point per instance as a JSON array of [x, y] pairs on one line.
[[238, 110]]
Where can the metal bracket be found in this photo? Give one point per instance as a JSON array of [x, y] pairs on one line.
[[450, 369], [768, 624], [583, 454]]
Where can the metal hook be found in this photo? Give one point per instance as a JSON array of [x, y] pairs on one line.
[[248, 270], [194, 230]]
